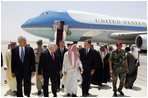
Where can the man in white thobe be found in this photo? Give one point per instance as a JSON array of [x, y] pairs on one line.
[[72, 67], [11, 81]]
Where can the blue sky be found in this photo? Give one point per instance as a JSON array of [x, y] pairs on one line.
[[15, 13]]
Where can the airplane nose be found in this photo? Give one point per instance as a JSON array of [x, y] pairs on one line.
[[33, 22], [36, 22], [28, 23]]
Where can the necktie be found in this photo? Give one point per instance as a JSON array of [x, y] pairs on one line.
[[86, 51], [62, 51], [22, 55], [52, 54]]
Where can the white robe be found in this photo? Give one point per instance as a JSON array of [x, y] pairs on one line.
[[70, 80], [10, 80]]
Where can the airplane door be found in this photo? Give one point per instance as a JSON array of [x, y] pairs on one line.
[[59, 31]]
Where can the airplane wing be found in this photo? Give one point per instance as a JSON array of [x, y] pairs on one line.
[[125, 35]]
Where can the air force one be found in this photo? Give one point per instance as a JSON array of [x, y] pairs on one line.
[[79, 26]]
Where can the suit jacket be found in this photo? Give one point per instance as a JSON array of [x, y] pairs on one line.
[[48, 66], [61, 56], [89, 61], [23, 68]]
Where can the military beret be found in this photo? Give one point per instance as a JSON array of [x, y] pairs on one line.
[[119, 43], [39, 41]]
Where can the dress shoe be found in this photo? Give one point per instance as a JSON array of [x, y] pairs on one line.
[[28, 95], [130, 87], [84, 95], [55, 95], [74, 95], [62, 86], [115, 94], [14, 93], [68, 95], [39, 92], [121, 93]]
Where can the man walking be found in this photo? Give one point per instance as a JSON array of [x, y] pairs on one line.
[[48, 65], [23, 66], [37, 53], [118, 68], [60, 51], [89, 62]]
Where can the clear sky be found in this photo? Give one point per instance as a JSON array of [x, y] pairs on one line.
[[15, 13]]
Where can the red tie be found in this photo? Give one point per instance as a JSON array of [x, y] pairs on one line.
[[52, 54]]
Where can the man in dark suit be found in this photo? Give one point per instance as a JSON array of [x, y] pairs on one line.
[[48, 65], [60, 51], [88, 58], [23, 66]]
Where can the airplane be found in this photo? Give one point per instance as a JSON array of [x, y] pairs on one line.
[[80, 26]]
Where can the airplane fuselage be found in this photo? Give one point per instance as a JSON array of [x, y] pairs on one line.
[[84, 25]]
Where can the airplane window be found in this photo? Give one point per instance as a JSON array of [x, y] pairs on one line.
[[44, 13]]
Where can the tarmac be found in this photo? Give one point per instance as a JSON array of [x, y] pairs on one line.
[[139, 89]]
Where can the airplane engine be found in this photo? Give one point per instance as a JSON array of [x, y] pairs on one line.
[[141, 42]]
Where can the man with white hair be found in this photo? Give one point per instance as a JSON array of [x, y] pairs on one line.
[[23, 66], [49, 65]]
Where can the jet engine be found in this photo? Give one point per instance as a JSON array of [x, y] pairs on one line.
[[141, 41]]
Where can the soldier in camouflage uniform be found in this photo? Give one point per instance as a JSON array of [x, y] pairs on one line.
[[118, 68], [37, 53]]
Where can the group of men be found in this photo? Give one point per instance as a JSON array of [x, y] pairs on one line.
[[69, 64]]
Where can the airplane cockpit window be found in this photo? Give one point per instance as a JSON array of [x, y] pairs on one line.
[[44, 13]]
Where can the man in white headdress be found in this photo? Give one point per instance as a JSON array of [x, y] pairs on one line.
[[72, 67], [7, 66], [103, 53], [133, 63]]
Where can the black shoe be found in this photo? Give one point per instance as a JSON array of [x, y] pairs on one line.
[[115, 94], [85, 95], [68, 95], [14, 93], [55, 95], [74, 95], [121, 93], [39, 92], [130, 87], [88, 94], [28, 95], [62, 86]]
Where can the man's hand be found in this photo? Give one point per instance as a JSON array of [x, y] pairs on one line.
[[127, 71], [92, 71], [60, 73], [33, 74], [13, 75], [65, 73], [81, 71], [111, 72], [40, 77], [5, 68]]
